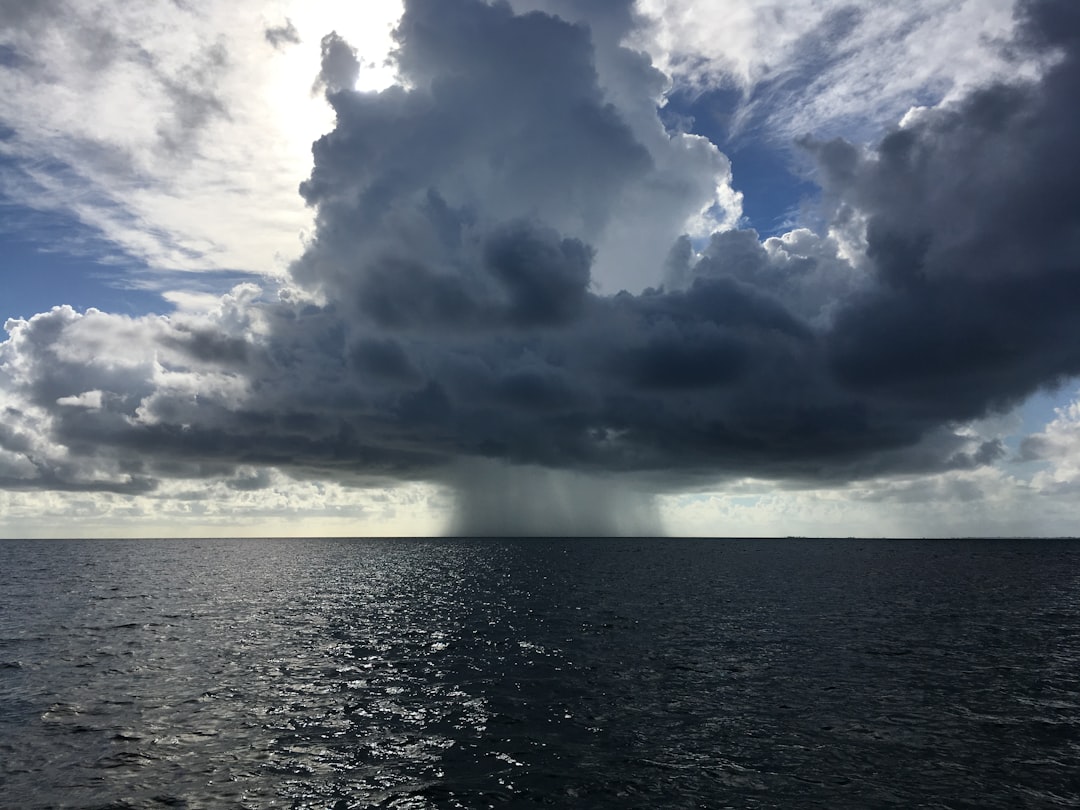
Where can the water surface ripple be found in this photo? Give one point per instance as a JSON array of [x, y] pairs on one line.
[[593, 673]]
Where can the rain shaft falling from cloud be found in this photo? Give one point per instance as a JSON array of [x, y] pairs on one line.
[[497, 500]]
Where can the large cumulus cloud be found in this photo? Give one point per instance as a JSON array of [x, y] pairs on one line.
[[972, 228], [447, 309]]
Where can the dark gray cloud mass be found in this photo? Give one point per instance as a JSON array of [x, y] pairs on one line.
[[973, 228], [444, 315]]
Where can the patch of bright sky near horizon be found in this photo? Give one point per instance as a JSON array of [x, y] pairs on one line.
[[158, 148]]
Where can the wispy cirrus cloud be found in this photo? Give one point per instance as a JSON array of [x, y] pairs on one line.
[[826, 67]]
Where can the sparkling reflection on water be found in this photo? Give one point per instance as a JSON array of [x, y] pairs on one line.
[[418, 674]]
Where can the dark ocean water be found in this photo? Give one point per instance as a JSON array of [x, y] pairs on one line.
[[592, 673]]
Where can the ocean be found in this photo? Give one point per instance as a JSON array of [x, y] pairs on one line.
[[539, 673]]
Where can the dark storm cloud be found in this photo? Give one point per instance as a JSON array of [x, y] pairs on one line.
[[445, 311], [972, 231], [771, 358], [543, 277]]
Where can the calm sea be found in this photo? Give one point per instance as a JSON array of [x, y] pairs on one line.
[[533, 673]]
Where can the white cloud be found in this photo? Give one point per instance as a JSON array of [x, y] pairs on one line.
[[1058, 444], [87, 399], [823, 66], [179, 131]]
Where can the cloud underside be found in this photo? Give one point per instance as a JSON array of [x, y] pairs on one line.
[[447, 309]]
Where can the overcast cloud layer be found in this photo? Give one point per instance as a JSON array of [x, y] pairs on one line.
[[457, 308]]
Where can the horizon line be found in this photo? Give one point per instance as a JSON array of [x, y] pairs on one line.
[[552, 537]]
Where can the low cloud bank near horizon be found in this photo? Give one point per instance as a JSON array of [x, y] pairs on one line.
[[458, 300]]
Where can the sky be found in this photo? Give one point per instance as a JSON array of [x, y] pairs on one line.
[[570, 267]]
